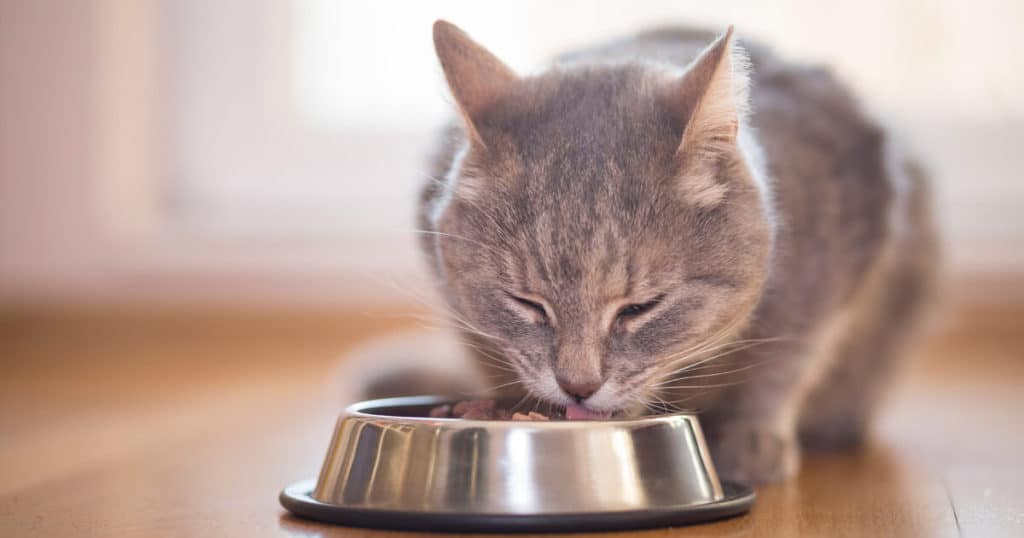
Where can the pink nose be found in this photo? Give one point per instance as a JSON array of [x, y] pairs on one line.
[[579, 391]]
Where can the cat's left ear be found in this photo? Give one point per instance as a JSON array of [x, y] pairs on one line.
[[710, 99], [478, 79]]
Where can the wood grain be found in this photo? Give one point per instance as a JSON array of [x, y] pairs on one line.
[[123, 423]]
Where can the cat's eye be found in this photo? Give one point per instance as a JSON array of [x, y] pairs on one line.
[[635, 310], [540, 313]]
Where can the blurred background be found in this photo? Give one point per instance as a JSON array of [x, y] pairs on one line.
[[204, 204], [269, 151]]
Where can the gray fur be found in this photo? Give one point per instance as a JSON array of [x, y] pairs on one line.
[[570, 187]]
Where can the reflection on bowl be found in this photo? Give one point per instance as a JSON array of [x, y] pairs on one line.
[[389, 462]]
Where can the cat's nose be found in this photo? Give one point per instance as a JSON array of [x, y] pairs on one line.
[[579, 391]]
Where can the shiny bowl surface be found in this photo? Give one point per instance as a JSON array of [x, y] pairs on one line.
[[389, 462]]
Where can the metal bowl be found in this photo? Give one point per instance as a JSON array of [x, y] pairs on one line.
[[390, 466]]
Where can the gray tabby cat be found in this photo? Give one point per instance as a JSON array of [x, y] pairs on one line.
[[663, 223]]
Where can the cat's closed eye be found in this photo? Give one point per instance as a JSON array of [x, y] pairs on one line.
[[635, 310], [531, 307]]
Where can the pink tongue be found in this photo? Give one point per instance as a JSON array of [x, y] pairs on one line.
[[578, 412]]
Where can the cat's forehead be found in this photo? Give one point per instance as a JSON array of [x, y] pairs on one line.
[[580, 159], [595, 112], [585, 243], [578, 162], [589, 145]]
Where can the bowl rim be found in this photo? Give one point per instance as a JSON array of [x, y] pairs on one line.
[[361, 410], [297, 499]]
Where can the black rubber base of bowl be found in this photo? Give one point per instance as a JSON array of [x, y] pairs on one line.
[[297, 500]]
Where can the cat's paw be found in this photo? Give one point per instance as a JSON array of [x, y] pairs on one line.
[[754, 453]]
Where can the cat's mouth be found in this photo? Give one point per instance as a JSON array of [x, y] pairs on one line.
[[575, 411]]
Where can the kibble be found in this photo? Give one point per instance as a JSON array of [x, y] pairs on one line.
[[483, 410]]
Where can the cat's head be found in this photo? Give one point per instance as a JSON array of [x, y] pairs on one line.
[[602, 223]]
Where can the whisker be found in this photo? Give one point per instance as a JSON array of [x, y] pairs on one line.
[[486, 353], [731, 347], [459, 237], [520, 402], [451, 316], [720, 354], [690, 397], [717, 336], [494, 388], [711, 347], [705, 386], [726, 372], [665, 406]]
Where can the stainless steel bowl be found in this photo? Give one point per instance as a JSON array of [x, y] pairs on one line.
[[388, 465]]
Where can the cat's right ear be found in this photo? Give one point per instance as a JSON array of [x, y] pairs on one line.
[[478, 79]]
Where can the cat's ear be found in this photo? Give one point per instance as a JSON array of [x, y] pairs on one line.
[[478, 79], [710, 98]]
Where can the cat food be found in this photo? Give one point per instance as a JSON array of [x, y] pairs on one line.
[[483, 410], [489, 410]]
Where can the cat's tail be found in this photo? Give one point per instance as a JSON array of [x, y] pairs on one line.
[[407, 364]]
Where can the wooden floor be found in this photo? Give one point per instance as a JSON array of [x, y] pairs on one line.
[[188, 424]]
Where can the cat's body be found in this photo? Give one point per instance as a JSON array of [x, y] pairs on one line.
[[804, 248]]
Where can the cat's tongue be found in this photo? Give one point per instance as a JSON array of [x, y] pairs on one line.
[[578, 412]]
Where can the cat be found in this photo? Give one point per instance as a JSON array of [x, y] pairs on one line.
[[673, 221]]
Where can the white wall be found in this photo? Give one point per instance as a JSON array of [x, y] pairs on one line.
[[49, 227]]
